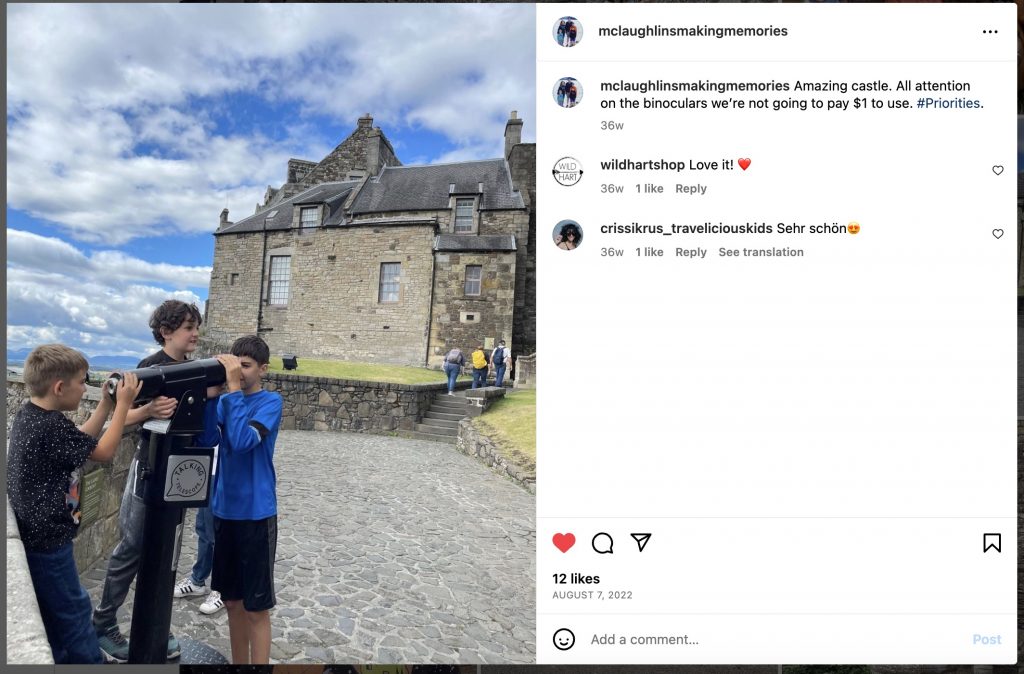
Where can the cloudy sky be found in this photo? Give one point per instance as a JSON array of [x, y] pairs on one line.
[[130, 127]]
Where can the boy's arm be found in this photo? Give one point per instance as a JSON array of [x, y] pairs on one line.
[[94, 424], [161, 407], [246, 429], [211, 425], [127, 389]]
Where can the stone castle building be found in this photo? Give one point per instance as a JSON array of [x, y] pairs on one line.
[[358, 257]]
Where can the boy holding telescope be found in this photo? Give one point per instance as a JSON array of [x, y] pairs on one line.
[[46, 451], [244, 421]]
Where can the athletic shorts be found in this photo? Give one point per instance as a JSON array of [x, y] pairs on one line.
[[243, 561]]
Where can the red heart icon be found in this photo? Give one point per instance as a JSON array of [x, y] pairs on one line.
[[744, 163], [563, 541]]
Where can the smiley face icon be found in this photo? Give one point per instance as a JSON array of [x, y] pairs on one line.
[[564, 639], [853, 228]]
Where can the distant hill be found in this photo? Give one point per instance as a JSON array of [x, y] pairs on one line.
[[18, 356]]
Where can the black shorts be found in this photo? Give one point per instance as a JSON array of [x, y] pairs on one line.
[[243, 561]]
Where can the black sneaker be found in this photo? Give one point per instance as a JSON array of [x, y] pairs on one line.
[[113, 644]]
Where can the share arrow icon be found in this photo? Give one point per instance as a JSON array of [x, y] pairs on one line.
[[641, 540]]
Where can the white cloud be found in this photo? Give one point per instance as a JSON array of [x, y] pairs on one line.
[[99, 303], [87, 84]]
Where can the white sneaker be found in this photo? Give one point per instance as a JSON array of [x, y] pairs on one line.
[[212, 604], [187, 588]]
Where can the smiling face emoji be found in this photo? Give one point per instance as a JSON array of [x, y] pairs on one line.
[[564, 639], [853, 228]]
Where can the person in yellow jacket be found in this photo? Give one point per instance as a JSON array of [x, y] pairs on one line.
[[480, 364]]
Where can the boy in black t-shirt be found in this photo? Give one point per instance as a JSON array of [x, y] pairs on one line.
[[46, 450], [175, 327]]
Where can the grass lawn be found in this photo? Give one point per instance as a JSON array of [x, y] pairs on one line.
[[340, 369], [512, 423]]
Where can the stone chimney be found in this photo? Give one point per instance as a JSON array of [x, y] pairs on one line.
[[513, 133], [224, 217], [365, 122]]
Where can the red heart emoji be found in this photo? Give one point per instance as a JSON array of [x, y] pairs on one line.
[[744, 163], [563, 541]]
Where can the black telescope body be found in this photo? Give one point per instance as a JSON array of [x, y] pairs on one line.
[[171, 475], [185, 382]]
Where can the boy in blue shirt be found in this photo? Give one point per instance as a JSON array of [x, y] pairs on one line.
[[244, 498]]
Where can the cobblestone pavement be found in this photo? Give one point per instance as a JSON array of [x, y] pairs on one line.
[[389, 550]]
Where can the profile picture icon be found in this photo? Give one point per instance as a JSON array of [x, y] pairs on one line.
[[568, 92], [567, 235], [567, 31]]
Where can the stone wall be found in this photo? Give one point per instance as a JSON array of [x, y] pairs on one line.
[[325, 404], [366, 150], [526, 371], [234, 294], [493, 311], [522, 163], [473, 443], [333, 309], [467, 320], [26, 636]]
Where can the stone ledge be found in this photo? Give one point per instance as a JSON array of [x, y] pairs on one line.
[[26, 636], [309, 379], [487, 392], [480, 399]]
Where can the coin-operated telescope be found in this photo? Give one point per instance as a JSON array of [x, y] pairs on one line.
[[171, 476]]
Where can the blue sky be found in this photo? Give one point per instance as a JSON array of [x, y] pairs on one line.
[[130, 127]]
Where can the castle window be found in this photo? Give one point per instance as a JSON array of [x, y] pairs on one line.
[[233, 279], [280, 279], [464, 215], [308, 219], [474, 273], [390, 278]]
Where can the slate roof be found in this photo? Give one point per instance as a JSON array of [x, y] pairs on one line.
[[468, 242], [417, 188], [279, 216]]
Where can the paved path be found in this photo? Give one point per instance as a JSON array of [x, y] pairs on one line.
[[389, 550]]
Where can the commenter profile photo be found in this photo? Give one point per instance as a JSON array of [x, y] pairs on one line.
[[567, 235], [567, 31], [567, 92]]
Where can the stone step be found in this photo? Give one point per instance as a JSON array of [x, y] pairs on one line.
[[438, 419], [441, 405], [443, 415], [437, 430], [415, 435]]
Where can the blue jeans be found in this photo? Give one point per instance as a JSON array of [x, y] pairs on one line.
[[499, 374], [64, 606], [204, 554], [479, 377], [452, 370]]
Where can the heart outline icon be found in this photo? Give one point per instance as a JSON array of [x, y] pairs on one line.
[[997, 169], [564, 541], [998, 233], [744, 162]]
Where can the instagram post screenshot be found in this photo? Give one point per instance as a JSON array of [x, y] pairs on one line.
[[514, 338]]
